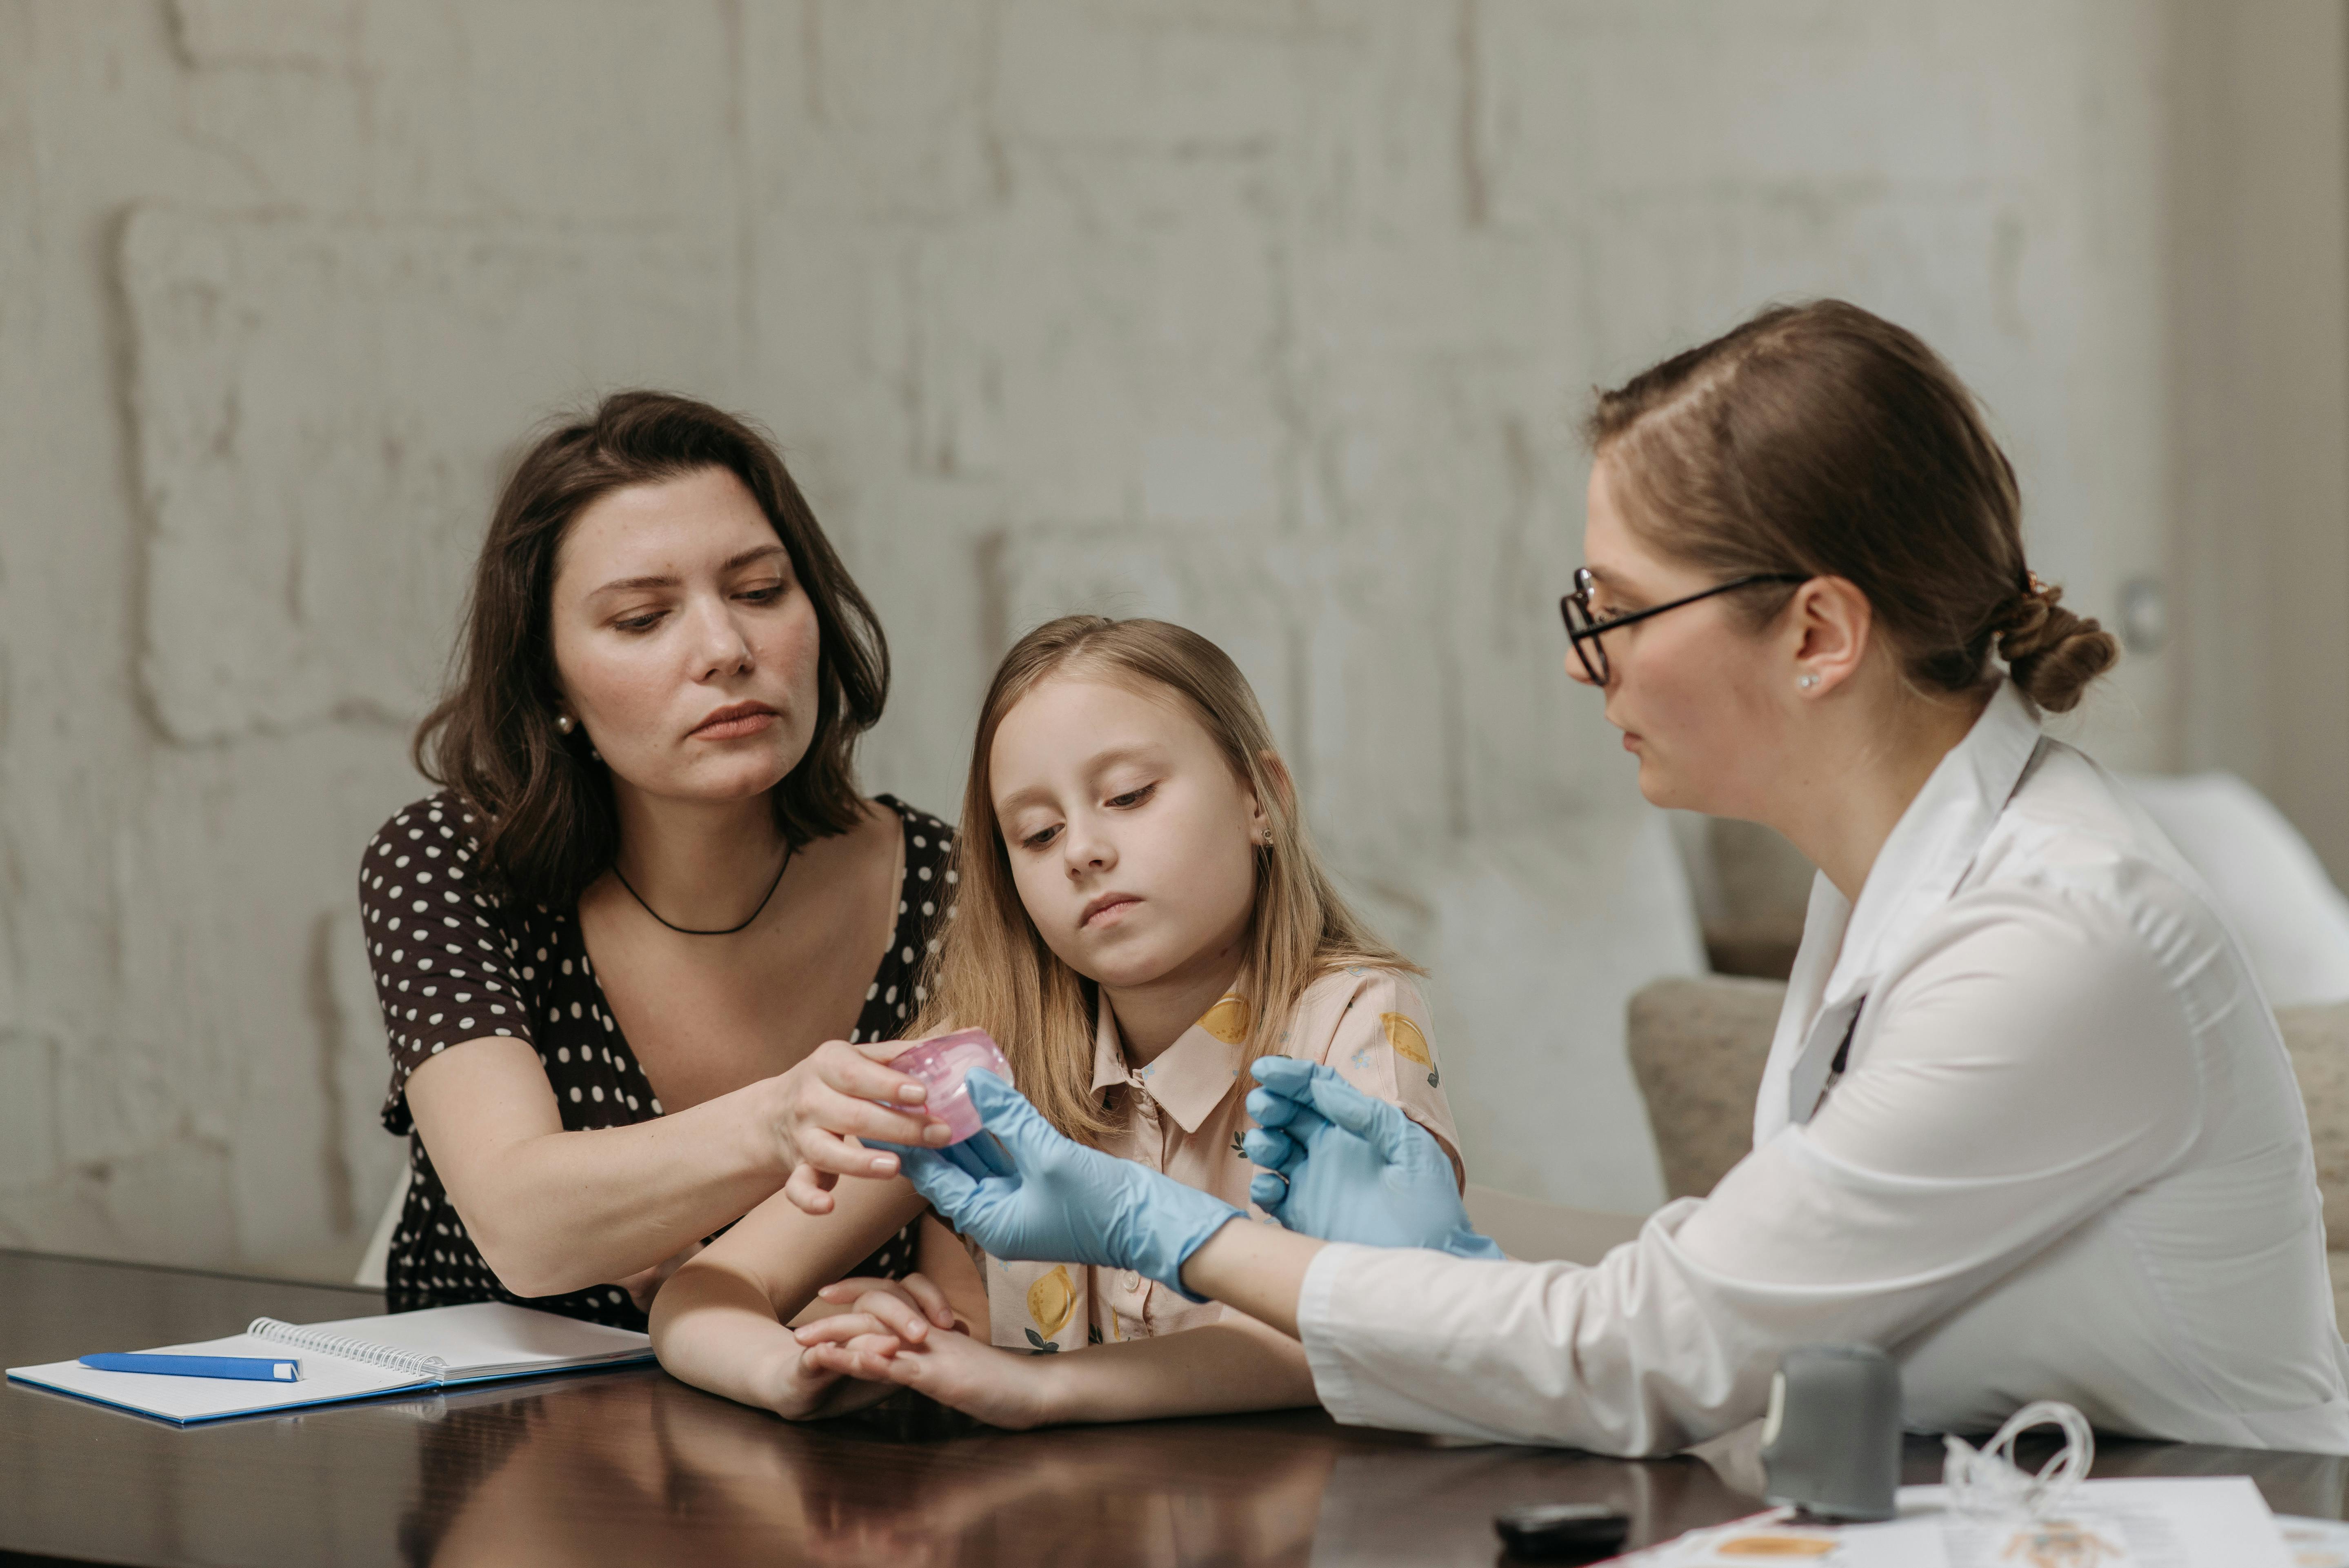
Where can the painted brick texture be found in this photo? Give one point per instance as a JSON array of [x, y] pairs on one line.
[[1274, 317]]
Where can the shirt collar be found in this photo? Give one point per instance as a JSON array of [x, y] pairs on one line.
[[1191, 1077], [1929, 850], [1846, 944]]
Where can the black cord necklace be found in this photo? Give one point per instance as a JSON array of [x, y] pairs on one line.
[[789, 851]]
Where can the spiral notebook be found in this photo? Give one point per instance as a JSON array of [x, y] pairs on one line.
[[358, 1358]]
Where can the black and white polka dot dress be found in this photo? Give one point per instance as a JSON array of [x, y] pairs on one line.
[[452, 962]]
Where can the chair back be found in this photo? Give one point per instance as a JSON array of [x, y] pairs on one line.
[[1697, 1045]]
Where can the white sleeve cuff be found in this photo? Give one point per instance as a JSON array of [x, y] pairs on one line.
[[1332, 1383]]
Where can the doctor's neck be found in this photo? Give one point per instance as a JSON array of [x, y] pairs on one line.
[[1862, 759]]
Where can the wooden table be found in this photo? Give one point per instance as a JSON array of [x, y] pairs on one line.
[[633, 1466]]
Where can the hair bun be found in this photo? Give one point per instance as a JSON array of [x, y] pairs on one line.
[[2051, 653]]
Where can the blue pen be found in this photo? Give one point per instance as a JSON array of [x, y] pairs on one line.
[[252, 1368]]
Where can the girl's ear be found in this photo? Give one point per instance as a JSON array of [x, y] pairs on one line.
[[1276, 773]]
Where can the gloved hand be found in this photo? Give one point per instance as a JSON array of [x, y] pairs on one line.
[[1030, 1193], [1344, 1166]]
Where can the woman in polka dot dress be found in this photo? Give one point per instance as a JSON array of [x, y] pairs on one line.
[[635, 956]]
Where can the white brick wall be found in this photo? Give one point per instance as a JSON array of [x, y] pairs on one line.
[[1269, 315]]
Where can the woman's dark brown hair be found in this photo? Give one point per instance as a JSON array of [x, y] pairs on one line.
[[551, 824], [1823, 441]]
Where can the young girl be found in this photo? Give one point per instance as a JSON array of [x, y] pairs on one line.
[[1135, 914]]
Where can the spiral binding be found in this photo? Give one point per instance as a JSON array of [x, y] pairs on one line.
[[388, 1357]]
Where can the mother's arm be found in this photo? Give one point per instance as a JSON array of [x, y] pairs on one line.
[[554, 1210]]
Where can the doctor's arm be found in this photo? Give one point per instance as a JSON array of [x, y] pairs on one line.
[[1259, 1269], [2020, 1077], [2016, 1079], [1339, 1165]]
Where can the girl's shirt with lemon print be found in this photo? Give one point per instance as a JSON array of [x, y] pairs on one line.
[[1184, 1115]]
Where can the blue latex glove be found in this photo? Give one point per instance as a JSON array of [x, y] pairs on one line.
[[1347, 1167], [1030, 1193]]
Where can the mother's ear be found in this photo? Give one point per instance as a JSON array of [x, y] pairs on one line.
[[1827, 629]]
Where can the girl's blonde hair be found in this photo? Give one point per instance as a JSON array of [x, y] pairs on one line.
[[993, 970]]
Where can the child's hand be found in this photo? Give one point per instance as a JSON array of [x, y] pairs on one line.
[[868, 1321], [890, 1337], [809, 1383], [900, 1308], [1005, 1388], [871, 1320]]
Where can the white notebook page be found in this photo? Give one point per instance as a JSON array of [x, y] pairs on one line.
[[493, 1338], [325, 1379], [478, 1340]]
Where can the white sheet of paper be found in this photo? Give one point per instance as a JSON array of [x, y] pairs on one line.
[[2202, 1522], [493, 1338], [2315, 1543]]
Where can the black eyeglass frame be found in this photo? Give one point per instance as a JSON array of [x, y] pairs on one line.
[[1584, 633]]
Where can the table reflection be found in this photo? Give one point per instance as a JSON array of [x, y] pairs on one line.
[[630, 1466], [609, 1473], [1376, 1507]]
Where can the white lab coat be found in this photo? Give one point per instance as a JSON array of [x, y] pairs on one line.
[[2066, 1159]]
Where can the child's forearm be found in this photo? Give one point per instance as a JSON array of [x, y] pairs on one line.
[[1217, 1368], [720, 1321], [715, 1329]]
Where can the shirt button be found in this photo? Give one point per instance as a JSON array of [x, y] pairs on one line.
[[1131, 1280]]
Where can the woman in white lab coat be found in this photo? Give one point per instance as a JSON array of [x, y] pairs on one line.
[[2027, 1123]]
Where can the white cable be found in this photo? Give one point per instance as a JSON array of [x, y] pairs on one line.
[[1986, 1481]]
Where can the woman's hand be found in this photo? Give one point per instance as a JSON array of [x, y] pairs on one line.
[[1027, 1193], [815, 1115], [1343, 1165]]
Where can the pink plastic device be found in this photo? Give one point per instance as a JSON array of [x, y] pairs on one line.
[[941, 1064]]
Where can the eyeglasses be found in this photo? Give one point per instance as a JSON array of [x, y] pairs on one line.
[[1584, 628]]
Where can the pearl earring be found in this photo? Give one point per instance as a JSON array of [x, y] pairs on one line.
[[565, 723], [1807, 682]]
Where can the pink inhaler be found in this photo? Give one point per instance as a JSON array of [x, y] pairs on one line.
[[941, 1064]]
